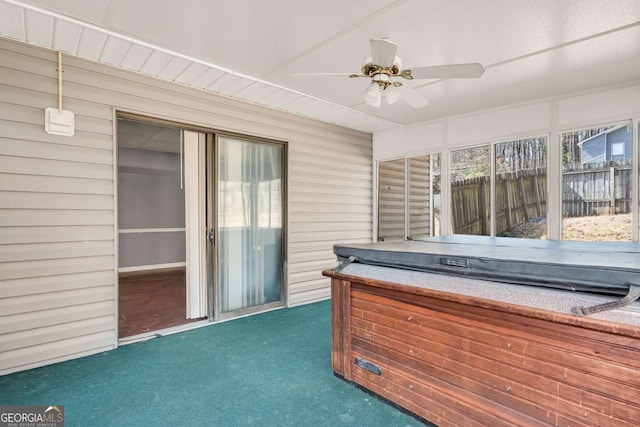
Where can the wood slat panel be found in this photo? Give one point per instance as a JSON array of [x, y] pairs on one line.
[[300, 170], [332, 226], [323, 255], [299, 298], [33, 115], [50, 234], [51, 350], [327, 189], [331, 217], [26, 217], [308, 196], [54, 333], [56, 201], [469, 364], [30, 303], [328, 165], [443, 355], [37, 251], [25, 96], [53, 184], [42, 268], [56, 316], [313, 266], [302, 246], [33, 132], [58, 168], [310, 286], [44, 150], [328, 236], [48, 284], [321, 179]]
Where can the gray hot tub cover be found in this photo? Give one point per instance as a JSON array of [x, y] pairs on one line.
[[596, 267]]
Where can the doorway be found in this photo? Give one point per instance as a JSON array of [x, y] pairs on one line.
[[201, 225], [153, 194]]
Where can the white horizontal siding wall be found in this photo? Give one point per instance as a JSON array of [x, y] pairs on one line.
[[57, 269]]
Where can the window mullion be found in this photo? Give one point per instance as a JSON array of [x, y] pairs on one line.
[[635, 165]]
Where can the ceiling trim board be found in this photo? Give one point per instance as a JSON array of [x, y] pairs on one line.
[[91, 44], [66, 36], [135, 57], [114, 51], [39, 29], [191, 73], [207, 78], [156, 62], [256, 91], [12, 17], [174, 68]]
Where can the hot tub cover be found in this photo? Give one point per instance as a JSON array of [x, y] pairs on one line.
[[596, 267]]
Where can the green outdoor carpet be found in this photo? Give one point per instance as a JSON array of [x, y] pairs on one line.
[[272, 369]]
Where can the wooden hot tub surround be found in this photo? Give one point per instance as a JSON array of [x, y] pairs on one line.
[[454, 359]]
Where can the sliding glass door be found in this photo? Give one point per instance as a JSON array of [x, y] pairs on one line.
[[248, 223]]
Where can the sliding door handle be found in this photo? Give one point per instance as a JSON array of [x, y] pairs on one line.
[[211, 237]]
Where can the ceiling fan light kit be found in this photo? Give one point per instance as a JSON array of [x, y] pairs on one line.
[[392, 94], [373, 95]]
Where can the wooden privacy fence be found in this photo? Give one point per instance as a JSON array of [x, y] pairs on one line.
[[520, 197], [597, 188], [591, 189]]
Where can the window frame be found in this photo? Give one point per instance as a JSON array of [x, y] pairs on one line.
[[635, 142], [492, 177], [407, 189]]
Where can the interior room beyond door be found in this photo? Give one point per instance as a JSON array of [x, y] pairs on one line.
[[151, 228]]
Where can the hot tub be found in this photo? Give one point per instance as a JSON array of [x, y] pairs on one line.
[[429, 327]]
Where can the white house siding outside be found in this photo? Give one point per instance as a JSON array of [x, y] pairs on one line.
[[57, 203]]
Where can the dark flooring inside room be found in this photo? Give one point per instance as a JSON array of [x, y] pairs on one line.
[[151, 300]]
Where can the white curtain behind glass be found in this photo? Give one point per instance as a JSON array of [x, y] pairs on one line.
[[249, 223]]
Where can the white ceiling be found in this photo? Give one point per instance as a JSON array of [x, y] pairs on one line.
[[249, 49]]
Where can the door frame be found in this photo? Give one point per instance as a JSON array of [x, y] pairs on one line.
[[214, 312], [207, 256]]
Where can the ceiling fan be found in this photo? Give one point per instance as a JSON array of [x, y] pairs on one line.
[[383, 67]]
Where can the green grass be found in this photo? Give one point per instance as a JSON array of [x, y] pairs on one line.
[[272, 369]]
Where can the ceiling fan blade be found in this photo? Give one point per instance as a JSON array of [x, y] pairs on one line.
[[453, 71], [328, 75], [414, 98], [383, 52]]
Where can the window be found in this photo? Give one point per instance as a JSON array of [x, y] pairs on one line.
[[470, 173], [617, 151], [521, 188], [518, 189], [596, 191], [409, 198]]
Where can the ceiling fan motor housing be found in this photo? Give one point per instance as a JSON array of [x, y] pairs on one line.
[[370, 69]]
